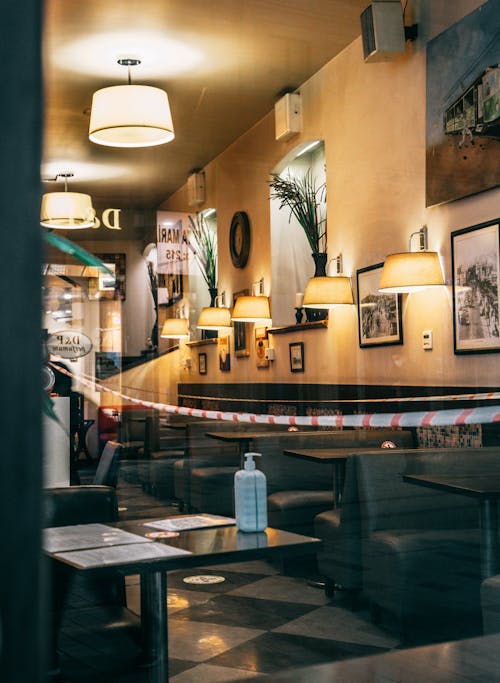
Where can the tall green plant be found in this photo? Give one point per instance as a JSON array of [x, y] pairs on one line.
[[304, 198], [203, 244]]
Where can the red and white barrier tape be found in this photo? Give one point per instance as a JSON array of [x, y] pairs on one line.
[[481, 415]]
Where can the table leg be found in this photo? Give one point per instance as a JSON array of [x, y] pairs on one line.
[[338, 483], [154, 625], [489, 537]]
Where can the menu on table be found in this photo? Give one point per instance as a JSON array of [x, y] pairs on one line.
[[191, 522], [80, 536], [119, 554]]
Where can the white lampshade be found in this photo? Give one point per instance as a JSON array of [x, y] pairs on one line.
[[213, 318], [175, 328], [328, 292], [410, 271], [251, 309], [67, 210], [130, 116]]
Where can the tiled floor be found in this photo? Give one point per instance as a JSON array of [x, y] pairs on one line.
[[256, 622]]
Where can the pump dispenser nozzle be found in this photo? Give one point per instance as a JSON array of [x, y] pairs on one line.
[[249, 462]]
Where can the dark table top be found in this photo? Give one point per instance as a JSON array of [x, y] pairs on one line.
[[248, 436], [212, 545], [329, 455], [475, 660], [476, 486]]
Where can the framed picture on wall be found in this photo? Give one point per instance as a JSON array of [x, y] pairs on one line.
[[476, 282], [202, 363], [379, 315], [296, 356], [224, 354], [241, 341], [261, 344]]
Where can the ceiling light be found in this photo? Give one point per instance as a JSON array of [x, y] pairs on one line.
[[329, 291], [411, 271], [66, 210], [175, 328], [130, 115]]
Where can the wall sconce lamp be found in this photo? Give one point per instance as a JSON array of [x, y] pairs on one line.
[[66, 210], [254, 308], [216, 317], [130, 115], [411, 271], [176, 328], [329, 291]]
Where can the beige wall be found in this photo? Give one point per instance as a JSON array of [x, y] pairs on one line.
[[372, 118]]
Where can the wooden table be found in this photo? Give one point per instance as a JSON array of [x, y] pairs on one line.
[[486, 490], [331, 456], [244, 439], [108, 549]]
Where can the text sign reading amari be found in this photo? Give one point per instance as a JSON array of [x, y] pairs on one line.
[[69, 344]]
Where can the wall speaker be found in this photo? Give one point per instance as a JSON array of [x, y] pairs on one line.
[[196, 188], [287, 116], [382, 30]]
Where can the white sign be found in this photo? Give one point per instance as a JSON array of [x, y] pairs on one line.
[[172, 230], [69, 344]]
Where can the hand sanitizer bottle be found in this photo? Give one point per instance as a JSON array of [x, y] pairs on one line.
[[250, 496]]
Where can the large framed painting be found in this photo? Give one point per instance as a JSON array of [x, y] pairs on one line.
[[463, 107], [379, 315], [476, 282]]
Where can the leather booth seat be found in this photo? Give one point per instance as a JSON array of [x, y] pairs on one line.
[[414, 551], [490, 604]]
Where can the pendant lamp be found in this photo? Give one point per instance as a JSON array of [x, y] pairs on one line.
[[66, 210], [411, 271], [130, 115]]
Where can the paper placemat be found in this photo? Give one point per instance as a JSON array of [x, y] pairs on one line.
[[119, 555], [191, 522], [80, 536]]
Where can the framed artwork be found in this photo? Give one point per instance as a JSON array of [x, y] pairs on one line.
[[476, 281], [241, 341], [224, 354], [105, 286], [379, 315], [463, 112], [261, 344], [202, 363], [296, 356]]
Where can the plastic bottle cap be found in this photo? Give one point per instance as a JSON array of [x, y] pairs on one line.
[[249, 463]]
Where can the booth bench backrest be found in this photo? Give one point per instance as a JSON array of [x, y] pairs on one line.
[[285, 473]]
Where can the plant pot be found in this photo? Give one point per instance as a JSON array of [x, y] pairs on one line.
[[211, 334], [315, 314]]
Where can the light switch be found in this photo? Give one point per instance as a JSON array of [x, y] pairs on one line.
[[427, 340]]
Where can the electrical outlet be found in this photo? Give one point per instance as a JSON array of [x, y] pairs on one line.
[[427, 340]]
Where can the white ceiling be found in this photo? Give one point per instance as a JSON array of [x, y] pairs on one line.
[[222, 62]]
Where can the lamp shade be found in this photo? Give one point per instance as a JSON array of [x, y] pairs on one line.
[[328, 292], [175, 328], [130, 116], [213, 318], [67, 210], [410, 271], [251, 309]]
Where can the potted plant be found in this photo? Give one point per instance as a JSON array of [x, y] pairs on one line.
[[203, 244], [304, 197]]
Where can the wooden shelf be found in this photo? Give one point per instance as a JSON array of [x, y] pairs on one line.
[[287, 329], [202, 342]]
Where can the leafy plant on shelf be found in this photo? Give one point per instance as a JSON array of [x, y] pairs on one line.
[[203, 244], [306, 201]]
